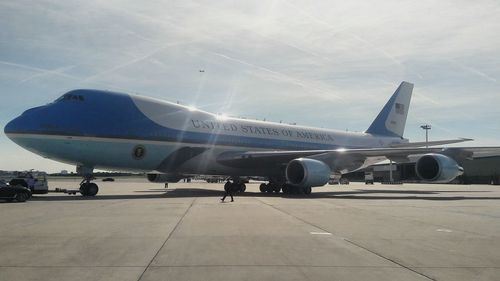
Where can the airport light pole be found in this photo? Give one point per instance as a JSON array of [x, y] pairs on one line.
[[391, 178], [426, 127]]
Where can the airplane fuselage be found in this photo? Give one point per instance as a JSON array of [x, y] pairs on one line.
[[108, 130]]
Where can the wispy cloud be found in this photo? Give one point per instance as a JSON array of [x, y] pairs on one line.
[[475, 71], [57, 71], [40, 71], [130, 62], [278, 75]]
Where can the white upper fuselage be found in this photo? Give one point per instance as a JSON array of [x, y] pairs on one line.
[[188, 119]]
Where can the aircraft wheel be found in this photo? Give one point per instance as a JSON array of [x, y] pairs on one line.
[[270, 188], [307, 190], [286, 189], [89, 189], [83, 189], [277, 189], [93, 189], [263, 187]]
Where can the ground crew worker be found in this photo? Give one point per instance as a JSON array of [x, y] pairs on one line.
[[229, 191]]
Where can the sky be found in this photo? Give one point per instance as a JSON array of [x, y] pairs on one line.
[[330, 64]]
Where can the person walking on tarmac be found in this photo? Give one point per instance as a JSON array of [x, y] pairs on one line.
[[228, 187], [31, 182]]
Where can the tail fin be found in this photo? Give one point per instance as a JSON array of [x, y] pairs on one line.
[[391, 120]]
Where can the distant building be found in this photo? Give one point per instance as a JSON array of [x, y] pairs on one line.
[[483, 170]]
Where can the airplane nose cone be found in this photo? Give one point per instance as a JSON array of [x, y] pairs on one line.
[[25, 123], [12, 127]]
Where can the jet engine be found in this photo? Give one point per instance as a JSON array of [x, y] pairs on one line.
[[437, 168], [164, 178], [305, 172]]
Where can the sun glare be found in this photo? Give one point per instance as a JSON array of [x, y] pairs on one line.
[[191, 108], [222, 117]]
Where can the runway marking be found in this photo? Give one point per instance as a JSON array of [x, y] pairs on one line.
[[443, 230], [320, 233]]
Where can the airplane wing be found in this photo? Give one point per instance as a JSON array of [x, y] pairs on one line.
[[344, 160], [430, 143]]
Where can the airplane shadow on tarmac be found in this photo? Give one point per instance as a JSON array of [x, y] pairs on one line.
[[382, 194], [360, 194]]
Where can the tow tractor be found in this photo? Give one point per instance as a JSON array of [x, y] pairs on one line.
[[37, 182], [33, 180]]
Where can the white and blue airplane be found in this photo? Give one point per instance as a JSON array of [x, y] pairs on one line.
[[108, 130]]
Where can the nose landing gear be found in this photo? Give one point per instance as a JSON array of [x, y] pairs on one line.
[[87, 188]]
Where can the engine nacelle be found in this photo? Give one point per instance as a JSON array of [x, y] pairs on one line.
[[305, 172], [172, 178], [437, 168]]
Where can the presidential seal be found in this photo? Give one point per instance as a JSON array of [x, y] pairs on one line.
[[139, 152]]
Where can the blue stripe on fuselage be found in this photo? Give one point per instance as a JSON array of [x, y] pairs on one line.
[[114, 115]]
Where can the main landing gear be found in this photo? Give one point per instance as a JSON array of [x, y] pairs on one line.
[[273, 187], [235, 186], [87, 188]]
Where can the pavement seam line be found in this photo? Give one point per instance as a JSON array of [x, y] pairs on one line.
[[299, 269], [166, 240], [299, 219], [388, 259], [347, 240]]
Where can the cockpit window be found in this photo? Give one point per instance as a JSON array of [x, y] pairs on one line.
[[67, 97]]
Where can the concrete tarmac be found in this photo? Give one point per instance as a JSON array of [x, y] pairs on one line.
[[134, 230]]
